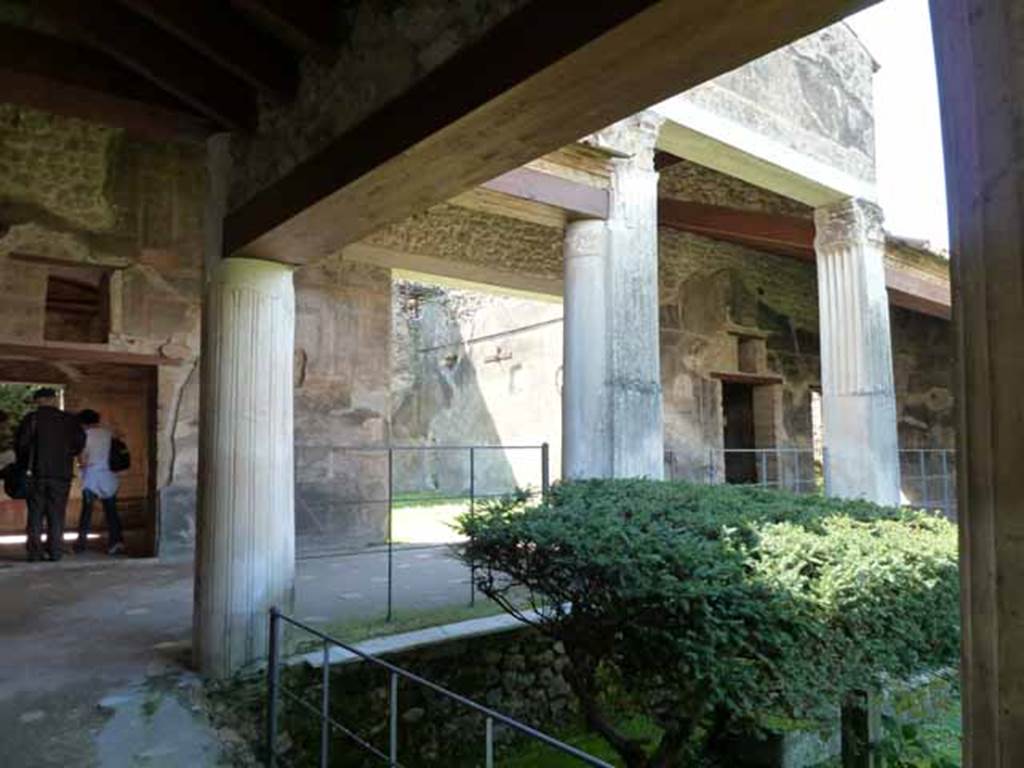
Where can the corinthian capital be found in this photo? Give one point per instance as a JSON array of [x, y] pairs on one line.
[[848, 222]]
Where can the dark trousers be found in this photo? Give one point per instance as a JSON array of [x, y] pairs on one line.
[[109, 512], [47, 500]]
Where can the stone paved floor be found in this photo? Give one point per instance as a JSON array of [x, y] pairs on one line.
[[94, 650]]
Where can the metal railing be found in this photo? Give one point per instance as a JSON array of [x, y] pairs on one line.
[[791, 469], [328, 724], [928, 476], [462, 460]]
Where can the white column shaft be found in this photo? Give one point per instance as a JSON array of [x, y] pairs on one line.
[[634, 384], [858, 396], [586, 418], [611, 397], [245, 559]]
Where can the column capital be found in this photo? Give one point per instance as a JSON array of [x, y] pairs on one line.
[[632, 138], [847, 222]]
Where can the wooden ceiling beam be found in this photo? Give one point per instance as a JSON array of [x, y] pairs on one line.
[[538, 80], [65, 78], [776, 233], [794, 237], [72, 352], [159, 57], [576, 199], [227, 38], [309, 26]]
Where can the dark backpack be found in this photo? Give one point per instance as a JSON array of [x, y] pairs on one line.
[[119, 459], [15, 481]]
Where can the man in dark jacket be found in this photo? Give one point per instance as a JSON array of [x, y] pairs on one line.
[[47, 442]]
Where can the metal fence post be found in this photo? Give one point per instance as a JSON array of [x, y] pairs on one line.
[[393, 720], [325, 709], [825, 470], [273, 682], [489, 743], [921, 463], [763, 479], [545, 469], [798, 484], [391, 529], [711, 466], [472, 511], [945, 484]]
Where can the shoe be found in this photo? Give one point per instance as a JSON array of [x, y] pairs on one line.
[[34, 557], [78, 547], [116, 549]]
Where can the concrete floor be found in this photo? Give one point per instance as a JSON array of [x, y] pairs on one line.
[[95, 651]]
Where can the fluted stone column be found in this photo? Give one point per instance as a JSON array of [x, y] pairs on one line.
[[611, 397], [245, 558], [858, 395]]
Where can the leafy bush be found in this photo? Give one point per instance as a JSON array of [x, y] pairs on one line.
[[708, 608], [15, 401]]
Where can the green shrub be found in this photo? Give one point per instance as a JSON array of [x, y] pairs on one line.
[[707, 608]]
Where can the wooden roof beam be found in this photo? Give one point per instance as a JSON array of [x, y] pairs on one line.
[[150, 52], [497, 104], [794, 237], [310, 26], [228, 39], [65, 78]]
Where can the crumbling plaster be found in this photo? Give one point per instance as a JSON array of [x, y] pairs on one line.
[[814, 96]]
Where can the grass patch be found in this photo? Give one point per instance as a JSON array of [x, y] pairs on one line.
[[426, 499], [533, 754]]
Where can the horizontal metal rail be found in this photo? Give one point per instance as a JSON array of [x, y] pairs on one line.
[[427, 448], [491, 715]]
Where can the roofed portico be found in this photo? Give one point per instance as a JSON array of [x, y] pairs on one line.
[[408, 117]]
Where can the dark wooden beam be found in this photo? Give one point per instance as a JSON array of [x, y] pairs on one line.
[[226, 38], [739, 377], [794, 237], [775, 233], [663, 160], [309, 26], [576, 199], [910, 290], [160, 58], [68, 79], [544, 76], [69, 352]]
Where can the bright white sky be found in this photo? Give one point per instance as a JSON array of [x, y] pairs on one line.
[[911, 180]]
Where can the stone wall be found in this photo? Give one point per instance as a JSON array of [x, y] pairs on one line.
[[342, 400], [474, 368], [84, 196], [519, 673], [813, 96], [87, 196]]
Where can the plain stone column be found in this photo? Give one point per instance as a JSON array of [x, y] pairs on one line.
[[245, 558], [858, 394], [980, 55], [611, 397], [586, 417]]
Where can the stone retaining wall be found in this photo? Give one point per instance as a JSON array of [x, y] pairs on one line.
[[519, 673]]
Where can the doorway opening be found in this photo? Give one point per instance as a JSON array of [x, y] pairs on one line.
[[125, 397], [740, 437]]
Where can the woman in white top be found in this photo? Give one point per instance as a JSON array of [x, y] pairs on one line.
[[98, 482]]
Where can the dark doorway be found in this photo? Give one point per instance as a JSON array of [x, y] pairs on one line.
[[739, 433]]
